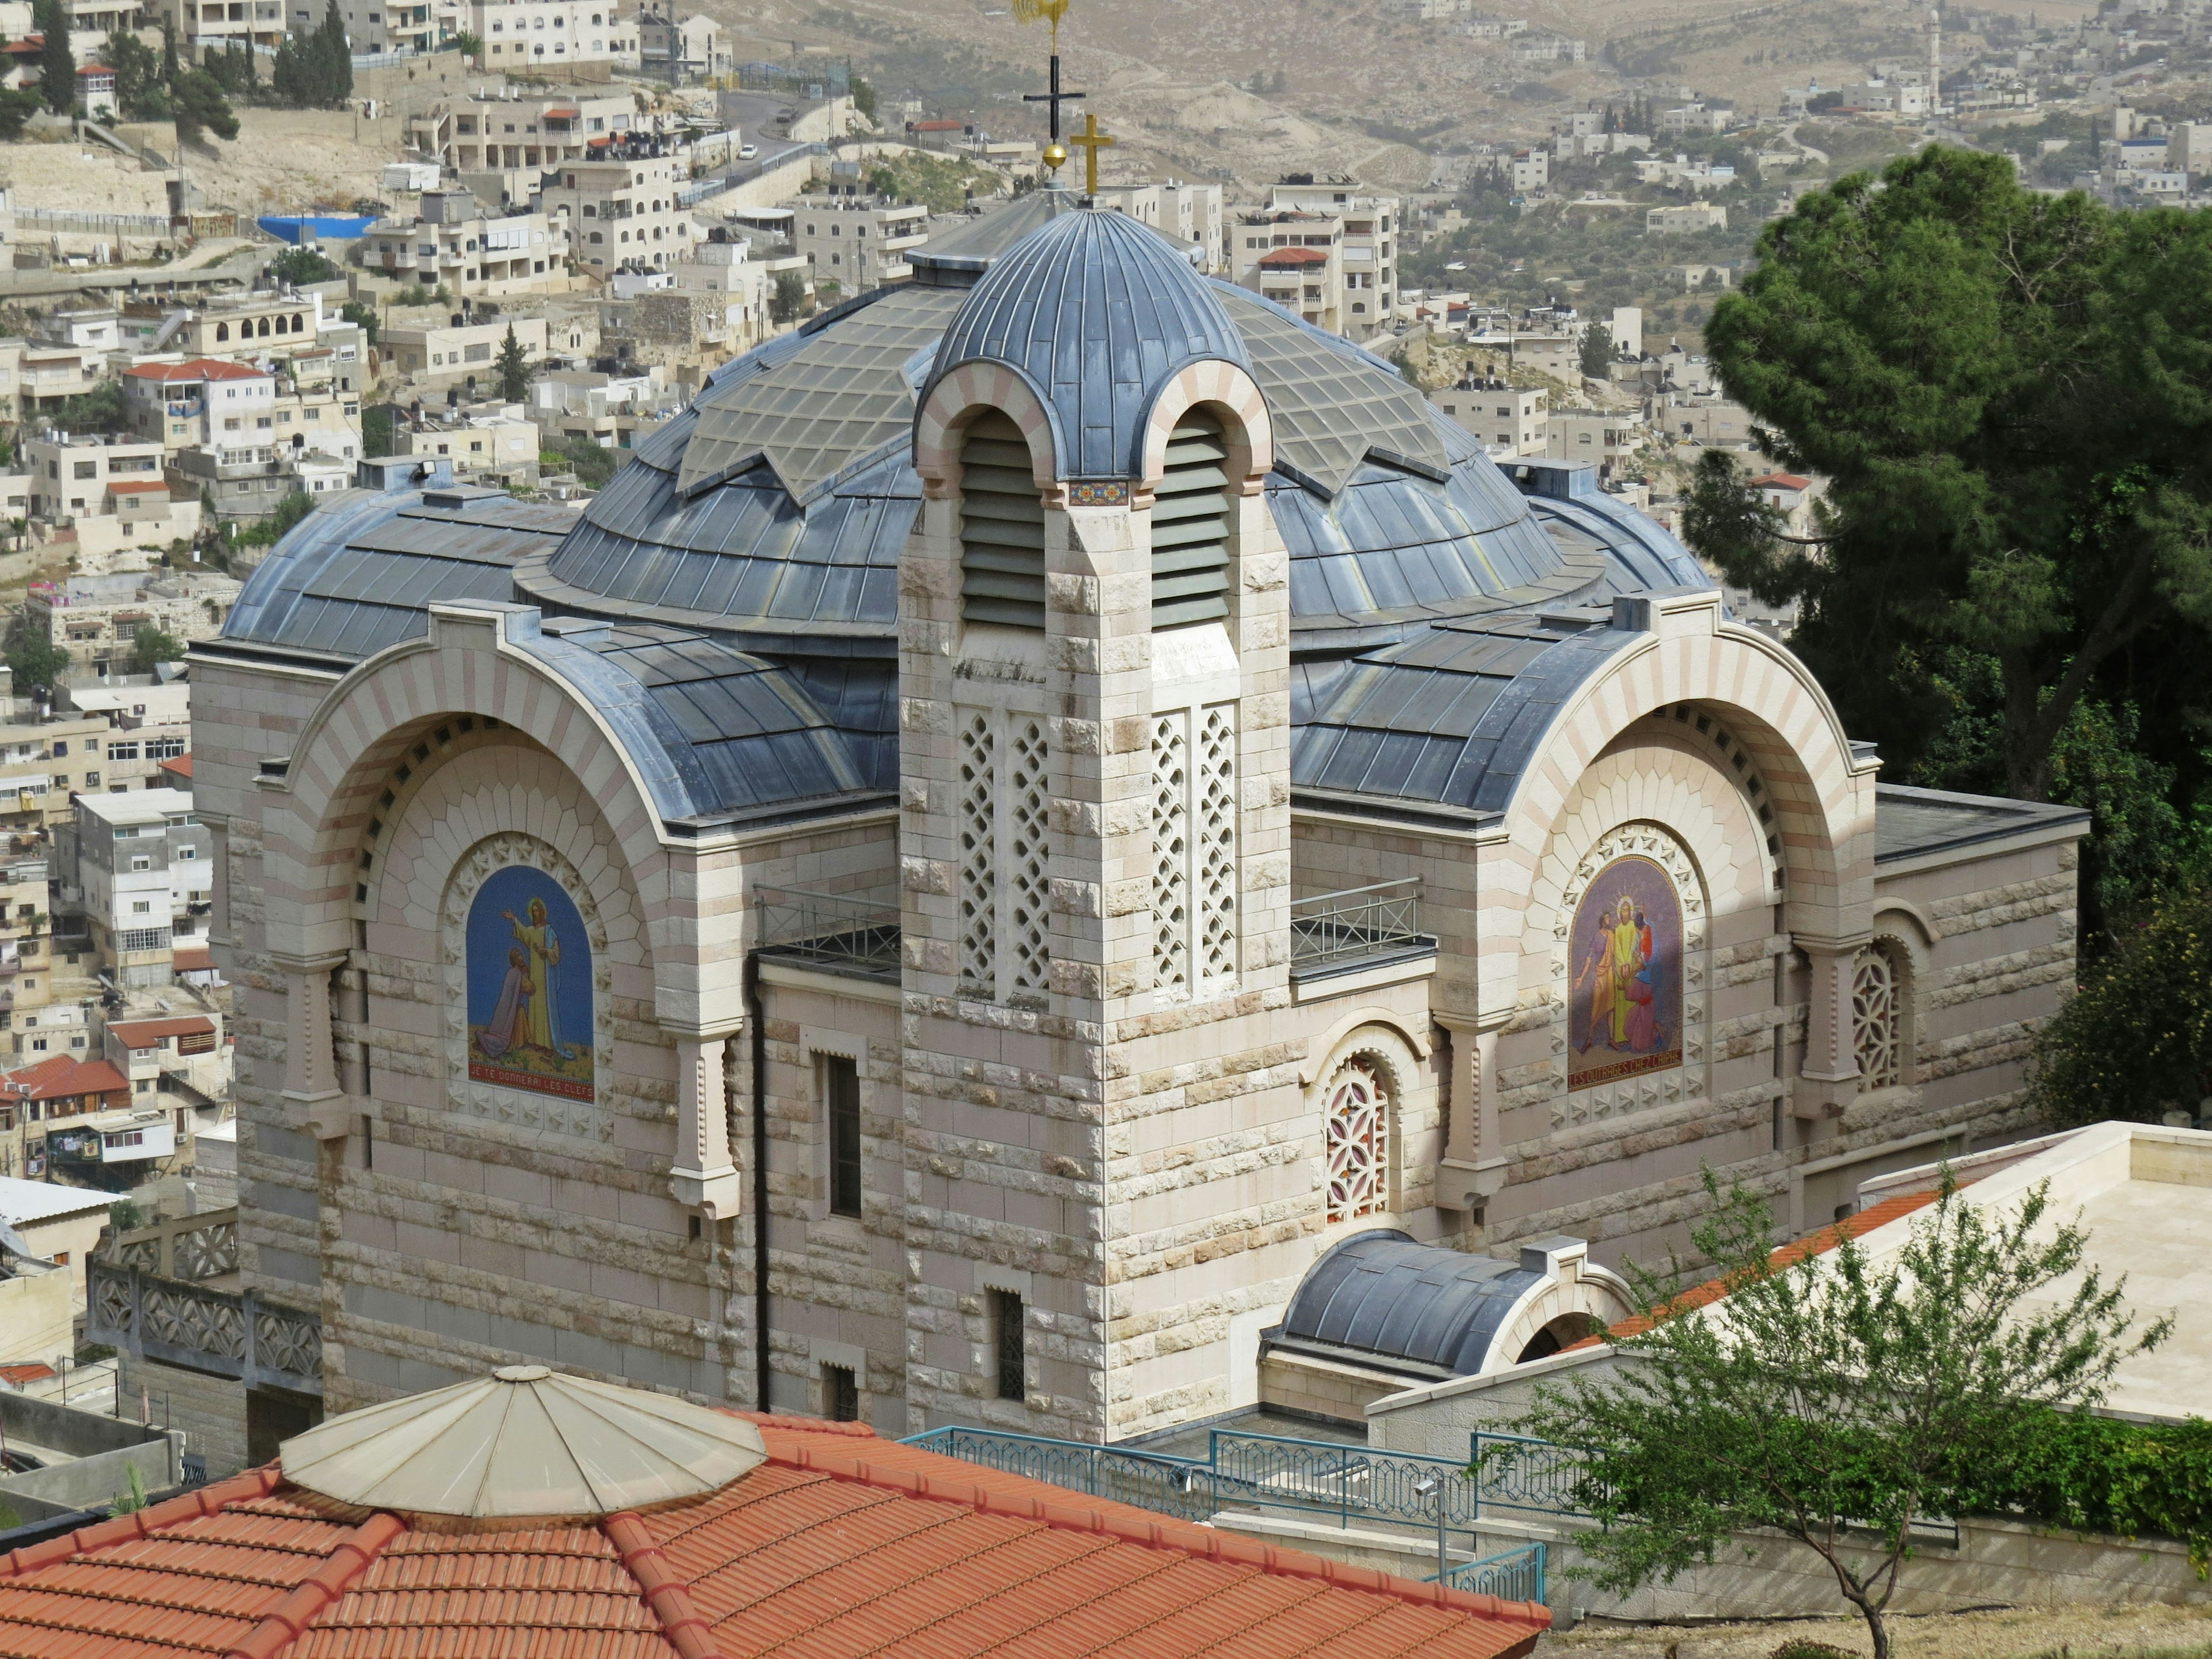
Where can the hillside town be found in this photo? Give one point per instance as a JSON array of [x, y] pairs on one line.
[[890, 835]]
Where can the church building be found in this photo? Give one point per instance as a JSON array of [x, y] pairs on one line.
[[1053, 807]]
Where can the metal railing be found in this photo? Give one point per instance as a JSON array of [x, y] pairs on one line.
[[1151, 1480], [848, 933], [1514, 1575], [1512, 1472], [1318, 1480], [1358, 921], [124, 224]]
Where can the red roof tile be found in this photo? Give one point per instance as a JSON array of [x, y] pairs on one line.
[[1292, 256], [60, 1078], [181, 767], [195, 369], [151, 1033], [1814, 1244], [192, 959], [840, 1545]]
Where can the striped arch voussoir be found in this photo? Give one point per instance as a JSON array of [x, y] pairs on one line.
[[960, 396], [1252, 437]]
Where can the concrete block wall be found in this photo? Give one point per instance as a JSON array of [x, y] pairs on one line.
[[209, 1411]]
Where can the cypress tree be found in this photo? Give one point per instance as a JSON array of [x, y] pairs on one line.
[[57, 62], [336, 53]]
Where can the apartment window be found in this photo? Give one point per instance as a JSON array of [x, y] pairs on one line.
[[60, 749], [141, 863], [140, 907], [87, 469], [1006, 1344], [841, 1094], [841, 1394]]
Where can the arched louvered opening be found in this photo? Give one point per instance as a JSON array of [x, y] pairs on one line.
[[1190, 526], [1002, 526]]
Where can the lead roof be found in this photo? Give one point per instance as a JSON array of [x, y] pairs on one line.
[[1419, 1308]]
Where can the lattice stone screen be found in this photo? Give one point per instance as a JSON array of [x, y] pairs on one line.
[[1005, 857], [1194, 851], [979, 878], [1875, 1016], [1171, 854], [1357, 1134]]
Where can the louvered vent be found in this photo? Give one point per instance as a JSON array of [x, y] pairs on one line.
[[1002, 526], [1190, 526]]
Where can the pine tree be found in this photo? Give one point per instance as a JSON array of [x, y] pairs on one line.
[[336, 54], [57, 62], [513, 367]]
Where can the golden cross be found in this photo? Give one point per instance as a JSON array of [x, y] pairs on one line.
[[1092, 141]]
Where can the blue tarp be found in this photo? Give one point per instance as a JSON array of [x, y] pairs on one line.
[[297, 228]]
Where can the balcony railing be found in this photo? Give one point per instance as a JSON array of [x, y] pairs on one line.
[[1316, 1479], [845, 933], [225, 1334], [190, 1247], [1330, 929]]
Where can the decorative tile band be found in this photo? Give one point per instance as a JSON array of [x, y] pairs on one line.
[[1098, 492]]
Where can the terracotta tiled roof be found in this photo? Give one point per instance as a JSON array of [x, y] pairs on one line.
[[179, 767], [192, 959], [198, 368], [840, 1545], [61, 1077], [1814, 1244], [1781, 481], [150, 1033], [1292, 256]]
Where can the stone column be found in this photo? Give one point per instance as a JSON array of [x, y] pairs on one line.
[[310, 1084], [704, 1176], [1829, 1079], [1472, 1168]]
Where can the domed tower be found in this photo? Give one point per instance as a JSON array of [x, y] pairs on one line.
[[1093, 673]]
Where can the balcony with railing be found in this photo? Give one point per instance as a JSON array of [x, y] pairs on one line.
[[170, 1293], [1357, 927], [853, 934]]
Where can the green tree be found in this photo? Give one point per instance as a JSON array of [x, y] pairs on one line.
[[2003, 390], [357, 311], [300, 265], [512, 369], [39, 665], [137, 68], [467, 44], [170, 69], [100, 410], [791, 300], [1596, 350], [124, 1216], [336, 55], [376, 421], [57, 62], [151, 645], [1840, 1396], [201, 107], [864, 97], [16, 109]]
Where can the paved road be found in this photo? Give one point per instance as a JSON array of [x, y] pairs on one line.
[[242, 266]]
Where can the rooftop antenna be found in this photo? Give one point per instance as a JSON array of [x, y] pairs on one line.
[[1028, 11]]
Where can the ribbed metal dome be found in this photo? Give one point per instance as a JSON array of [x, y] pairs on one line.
[[1096, 311], [524, 1441]]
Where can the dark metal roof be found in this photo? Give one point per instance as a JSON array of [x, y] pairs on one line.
[[956, 258], [1908, 823], [1097, 312], [360, 573], [713, 730], [1416, 1307], [1453, 714]]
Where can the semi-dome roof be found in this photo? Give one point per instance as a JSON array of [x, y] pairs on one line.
[[524, 1441], [1096, 312], [1418, 1308]]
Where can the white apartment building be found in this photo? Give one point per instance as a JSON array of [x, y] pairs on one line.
[[489, 135], [383, 26], [1510, 420], [1604, 438], [486, 438], [1682, 220], [1190, 212], [141, 873], [453, 241], [147, 724], [106, 492], [723, 264], [220, 23], [548, 33], [858, 242], [1296, 260], [456, 351], [681, 50], [1367, 247], [621, 213]]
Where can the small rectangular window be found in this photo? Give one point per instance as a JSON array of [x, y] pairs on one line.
[[841, 1394], [841, 1094], [1006, 1344]]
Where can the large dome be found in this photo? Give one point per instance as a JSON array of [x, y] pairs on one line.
[[775, 508]]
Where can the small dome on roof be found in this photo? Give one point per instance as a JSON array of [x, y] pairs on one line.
[[524, 1441], [1097, 312]]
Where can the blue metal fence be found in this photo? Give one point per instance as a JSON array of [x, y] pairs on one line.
[[1317, 1479], [1512, 1472], [1514, 1575]]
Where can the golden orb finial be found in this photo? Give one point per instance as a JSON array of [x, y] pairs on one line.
[[1056, 156]]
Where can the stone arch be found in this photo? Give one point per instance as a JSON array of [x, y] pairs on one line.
[[1381, 1046], [957, 398], [1229, 389], [1823, 793], [371, 724]]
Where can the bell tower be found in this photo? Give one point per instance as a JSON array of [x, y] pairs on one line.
[[1095, 843]]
